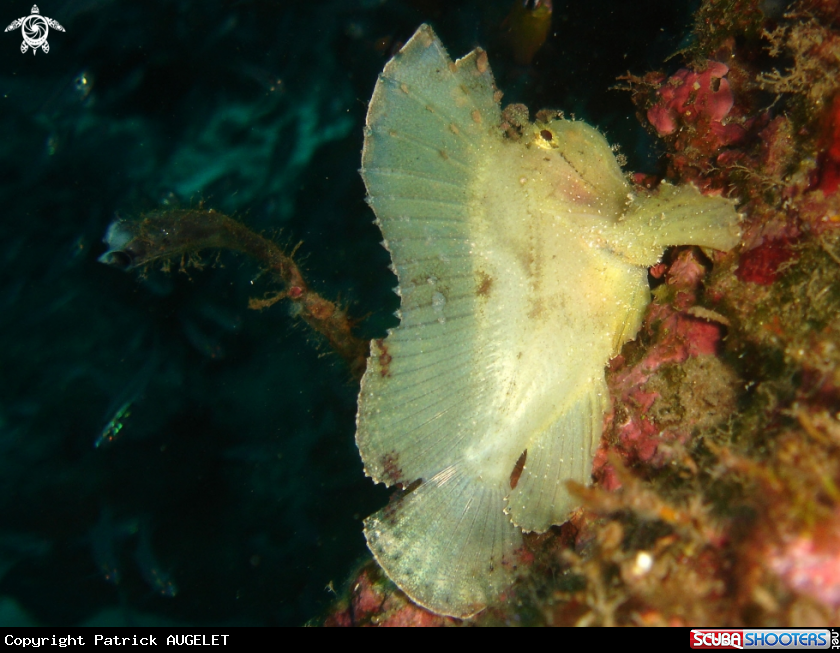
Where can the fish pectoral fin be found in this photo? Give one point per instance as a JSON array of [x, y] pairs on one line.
[[674, 215], [561, 452]]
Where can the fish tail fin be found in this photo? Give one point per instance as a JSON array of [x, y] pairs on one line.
[[448, 543]]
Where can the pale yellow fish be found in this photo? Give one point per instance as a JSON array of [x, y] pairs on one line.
[[522, 267]]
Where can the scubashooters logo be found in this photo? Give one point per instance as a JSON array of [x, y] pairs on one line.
[[34, 28], [791, 638]]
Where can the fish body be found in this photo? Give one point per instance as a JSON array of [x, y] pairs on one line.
[[526, 28], [106, 538], [150, 566], [120, 408], [522, 266]]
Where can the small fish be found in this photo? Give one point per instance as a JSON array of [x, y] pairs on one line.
[[83, 85], [150, 567], [205, 343], [526, 28], [221, 316], [105, 538], [120, 408]]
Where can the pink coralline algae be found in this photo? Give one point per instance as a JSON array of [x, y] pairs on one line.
[[689, 97], [684, 336], [829, 157], [676, 335], [761, 264], [372, 601], [811, 568]]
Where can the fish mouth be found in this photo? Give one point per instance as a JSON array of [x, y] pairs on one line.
[[122, 246], [119, 259]]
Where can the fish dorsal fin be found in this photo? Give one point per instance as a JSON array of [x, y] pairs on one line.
[[428, 125], [448, 543], [428, 115]]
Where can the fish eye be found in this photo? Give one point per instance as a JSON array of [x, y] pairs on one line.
[[545, 138], [83, 84]]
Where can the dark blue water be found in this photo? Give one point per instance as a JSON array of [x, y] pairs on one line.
[[228, 489]]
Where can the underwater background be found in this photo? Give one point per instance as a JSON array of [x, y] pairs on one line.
[[226, 487]]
